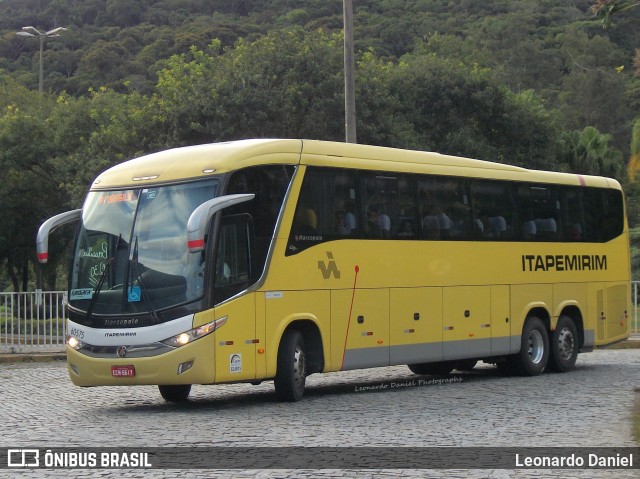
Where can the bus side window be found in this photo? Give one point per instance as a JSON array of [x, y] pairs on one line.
[[495, 209], [326, 210], [379, 198], [573, 214], [233, 256], [269, 184], [540, 212], [444, 208], [406, 223]]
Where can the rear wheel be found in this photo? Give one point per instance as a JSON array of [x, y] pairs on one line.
[[564, 345], [292, 373], [175, 393], [432, 369], [534, 349]]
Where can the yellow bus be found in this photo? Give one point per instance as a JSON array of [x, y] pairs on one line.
[[274, 259]]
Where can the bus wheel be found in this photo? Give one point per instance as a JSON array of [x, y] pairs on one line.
[[465, 364], [432, 369], [534, 349], [564, 346], [177, 393], [291, 374]]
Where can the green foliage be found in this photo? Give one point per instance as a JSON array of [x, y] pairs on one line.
[[509, 81], [286, 84], [588, 152]]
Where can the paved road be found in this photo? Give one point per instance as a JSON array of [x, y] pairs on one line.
[[589, 407]]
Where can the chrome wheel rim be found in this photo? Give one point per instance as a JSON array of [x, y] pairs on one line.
[[535, 347], [566, 343], [298, 367]]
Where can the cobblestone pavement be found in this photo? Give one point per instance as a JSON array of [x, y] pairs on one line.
[[588, 407]]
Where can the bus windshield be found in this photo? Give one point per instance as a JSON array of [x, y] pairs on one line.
[[131, 253]]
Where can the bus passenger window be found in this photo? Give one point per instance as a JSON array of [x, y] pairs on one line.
[[380, 197], [540, 212], [444, 209], [326, 210], [494, 209]]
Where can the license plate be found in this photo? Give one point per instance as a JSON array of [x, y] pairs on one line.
[[123, 371]]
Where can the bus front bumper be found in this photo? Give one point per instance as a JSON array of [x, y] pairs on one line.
[[192, 363]]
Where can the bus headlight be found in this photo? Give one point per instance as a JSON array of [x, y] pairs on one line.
[[74, 343], [195, 333]]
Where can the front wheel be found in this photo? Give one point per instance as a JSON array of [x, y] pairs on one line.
[[291, 374], [175, 393], [432, 369], [564, 345], [534, 349]]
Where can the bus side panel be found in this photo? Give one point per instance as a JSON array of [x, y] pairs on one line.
[[360, 328], [282, 308], [236, 340], [525, 297], [597, 317], [618, 326], [415, 325], [466, 322], [612, 313], [500, 320]]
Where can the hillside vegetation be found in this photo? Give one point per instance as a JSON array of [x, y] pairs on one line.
[[536, 83]]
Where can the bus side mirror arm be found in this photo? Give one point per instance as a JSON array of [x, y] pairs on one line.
[[42, 240], [199, 219]]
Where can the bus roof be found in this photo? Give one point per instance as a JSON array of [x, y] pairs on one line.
[[202, 161]]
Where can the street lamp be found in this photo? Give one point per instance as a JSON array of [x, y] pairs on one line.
[[349, 74], [34, 32]]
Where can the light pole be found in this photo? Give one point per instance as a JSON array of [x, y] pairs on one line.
[[34, 32], [349, 74]]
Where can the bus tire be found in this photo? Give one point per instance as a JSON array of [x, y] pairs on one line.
[[431, 369], [465, 364], [564, 346], [291, 373], [534, 349], [175, 393]]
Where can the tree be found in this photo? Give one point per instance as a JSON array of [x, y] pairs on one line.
[[25, 151], [286, 84], [588, 152], [606, 9]]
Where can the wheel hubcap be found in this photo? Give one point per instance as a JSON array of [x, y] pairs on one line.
[[298, 367], [566, 343], [536, 347]]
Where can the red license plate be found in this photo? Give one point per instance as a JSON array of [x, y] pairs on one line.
[[123, 371]]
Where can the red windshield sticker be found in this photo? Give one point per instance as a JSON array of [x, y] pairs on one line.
[[117, 198]]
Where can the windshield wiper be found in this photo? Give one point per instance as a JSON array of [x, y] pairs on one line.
[[103, 276]]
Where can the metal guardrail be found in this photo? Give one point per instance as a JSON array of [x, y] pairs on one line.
[[36, 321]]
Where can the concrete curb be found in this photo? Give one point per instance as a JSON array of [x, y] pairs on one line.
[[31, 357]]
